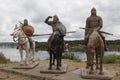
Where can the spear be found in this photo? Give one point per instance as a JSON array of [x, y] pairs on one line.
[[46, 34], [50, 34], [99, 31]]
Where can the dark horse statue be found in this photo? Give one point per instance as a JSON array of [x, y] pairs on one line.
[[55, 49], [95, 47]]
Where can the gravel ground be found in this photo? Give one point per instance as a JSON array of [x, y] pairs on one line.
[[112, 68]]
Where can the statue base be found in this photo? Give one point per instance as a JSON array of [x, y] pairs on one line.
[[62, 70], [29, 66], [106, 76]]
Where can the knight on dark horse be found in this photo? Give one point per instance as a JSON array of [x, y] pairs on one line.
[[56, 40]]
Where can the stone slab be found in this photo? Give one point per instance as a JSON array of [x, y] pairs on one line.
[[35, 72], [29, 66], [106, 76], [62, 70], [73, 73]]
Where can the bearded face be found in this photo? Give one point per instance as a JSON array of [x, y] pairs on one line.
[[93, 11], [25, 22]]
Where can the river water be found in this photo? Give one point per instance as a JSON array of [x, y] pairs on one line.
[[14, 55]]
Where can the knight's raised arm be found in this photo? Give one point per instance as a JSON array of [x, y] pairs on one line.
[[47, 20]]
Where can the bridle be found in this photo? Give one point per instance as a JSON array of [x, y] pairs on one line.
[[21, 39]]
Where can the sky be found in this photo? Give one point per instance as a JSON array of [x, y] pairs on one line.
[[72, 13]]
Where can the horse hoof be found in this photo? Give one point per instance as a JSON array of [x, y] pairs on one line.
[[53, 63], [87, 67], [91, 72], [57, 68], [101, 73], [21, 64], [97, 68], [49, 68], [33, 61], [60, 65]]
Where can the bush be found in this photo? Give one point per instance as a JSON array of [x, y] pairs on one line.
[[111, 59], [70, 56], [3, 59]]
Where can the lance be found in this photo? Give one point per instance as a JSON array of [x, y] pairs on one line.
[[50, 34], [46, 34], [99, 31]]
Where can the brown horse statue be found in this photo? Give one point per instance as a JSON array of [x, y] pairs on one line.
[[55, 50], [95, 47]]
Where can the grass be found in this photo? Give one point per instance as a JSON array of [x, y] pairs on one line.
[[111, 59], [71, 56], [3, 59]]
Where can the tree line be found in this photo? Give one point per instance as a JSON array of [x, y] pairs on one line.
[[78, 45]]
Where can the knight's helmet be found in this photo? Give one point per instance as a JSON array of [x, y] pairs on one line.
[[93, 9], [55, 18], [25, 22]]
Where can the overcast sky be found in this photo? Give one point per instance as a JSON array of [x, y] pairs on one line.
[[72, 13]]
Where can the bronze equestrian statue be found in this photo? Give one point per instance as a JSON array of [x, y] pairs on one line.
[[94, 22], [94, 41], [56, 41]]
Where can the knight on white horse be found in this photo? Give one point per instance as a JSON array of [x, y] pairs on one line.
[[24, 43]]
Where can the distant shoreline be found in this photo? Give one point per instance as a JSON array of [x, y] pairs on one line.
[[74, 45]]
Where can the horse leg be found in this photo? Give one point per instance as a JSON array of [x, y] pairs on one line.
[[26, 59], [97, 61], [54, 57], [21, 56], [58, 58], [91, 61], [50, 61], [101, 62], [87, 64], [33, 53]]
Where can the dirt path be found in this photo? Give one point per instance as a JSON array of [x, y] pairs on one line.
[[113, 68]]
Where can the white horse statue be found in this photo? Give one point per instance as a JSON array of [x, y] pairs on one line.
[[24, 44]]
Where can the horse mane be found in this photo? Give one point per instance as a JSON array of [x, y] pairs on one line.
[[94, 38], [22, 30]]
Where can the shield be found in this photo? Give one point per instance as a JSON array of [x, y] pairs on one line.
[[28, 30]]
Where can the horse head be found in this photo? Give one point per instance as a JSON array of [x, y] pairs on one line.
[[17, 31]]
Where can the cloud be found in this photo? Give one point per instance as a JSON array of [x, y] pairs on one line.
[[72, 14]]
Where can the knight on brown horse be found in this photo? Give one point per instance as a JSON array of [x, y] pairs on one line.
[[94, 22], [56, 40], [94, 41], [95, 47]]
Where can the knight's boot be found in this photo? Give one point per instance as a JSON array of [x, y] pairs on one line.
[[86, 41], [17, 47], [105, 47], [31, 44], [30, 41]]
